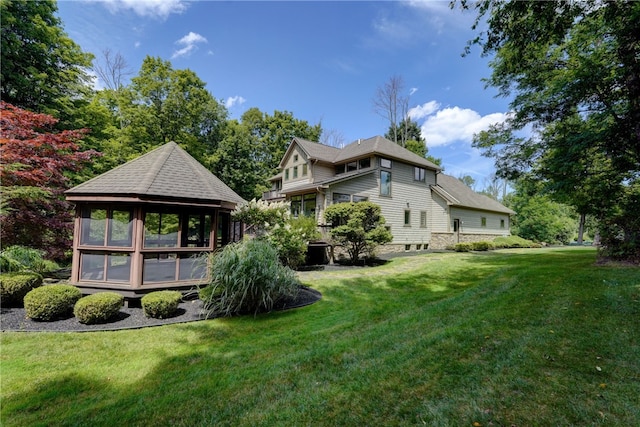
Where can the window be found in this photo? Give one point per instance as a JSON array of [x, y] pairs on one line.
[[304, 169], [340, 169], [407, 218], [286, 174], [296, 206], [357, 199], [295, 172], [309, 205], [407, 247], [385, 183], [295, 157], [364, 163], [483, 221], [106, 227], [341, 198], [418, 174], [161, 230], [385, 163], [418, 247], [196, 231], [423, 219], [502, 223], [352, 166]]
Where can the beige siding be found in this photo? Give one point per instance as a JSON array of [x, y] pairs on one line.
[[322, 172], [406, 194], [290, 163], [440, 219], [471, 221]]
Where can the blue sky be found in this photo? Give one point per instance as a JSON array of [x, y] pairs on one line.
[[322, 61]]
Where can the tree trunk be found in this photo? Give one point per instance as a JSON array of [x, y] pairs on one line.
[[581, 228]]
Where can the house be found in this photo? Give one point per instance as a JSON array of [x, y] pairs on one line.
[[423, 207], [143, 226]]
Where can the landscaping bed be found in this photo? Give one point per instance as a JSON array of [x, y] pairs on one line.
[[14, 319]]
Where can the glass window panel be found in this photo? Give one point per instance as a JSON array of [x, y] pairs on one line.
[[159, 268], [223, 234], [309, 206], [365, 163], [483, 222], [192, 267], [385, 163], [423, 219], [352, 166], [118, 267], [418, 174], [304, 169], [357, 199], [296, 205], [120, 228], [341, 198], [92, 267], [94, 224], [340, 169], [385, 183], [295, 171], [161, 230], [407, 217]]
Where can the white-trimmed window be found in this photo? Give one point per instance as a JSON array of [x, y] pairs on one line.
[[419, 174], [385, 163], [423, 219], [385, 183]]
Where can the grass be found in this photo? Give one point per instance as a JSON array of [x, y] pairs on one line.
[[518, 337]]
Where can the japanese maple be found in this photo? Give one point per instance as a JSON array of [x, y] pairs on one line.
[[34, 168]]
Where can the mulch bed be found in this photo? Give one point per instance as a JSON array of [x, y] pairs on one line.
[[14, 319]]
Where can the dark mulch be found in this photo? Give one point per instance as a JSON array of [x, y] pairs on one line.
[[14, 319]]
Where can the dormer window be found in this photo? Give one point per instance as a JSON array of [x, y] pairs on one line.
[[340, 169], [364, 163], [385, 163]]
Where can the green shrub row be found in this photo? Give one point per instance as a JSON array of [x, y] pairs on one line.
[[98, 308], [161, 304], [14, 287], [497, 243], [51, 302]]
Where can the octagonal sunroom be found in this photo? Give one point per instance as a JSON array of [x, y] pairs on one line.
[[144, 225]]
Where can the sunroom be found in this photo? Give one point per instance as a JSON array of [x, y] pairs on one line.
[[145, 225]]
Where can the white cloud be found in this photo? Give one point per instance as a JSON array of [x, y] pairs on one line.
[[452, 124], [233, 101], [157, 9], [424, 110], [189, 43]]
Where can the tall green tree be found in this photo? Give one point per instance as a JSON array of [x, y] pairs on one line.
[[573, 73], [42, 69], [272, 134], [160, 104], [411, 138]]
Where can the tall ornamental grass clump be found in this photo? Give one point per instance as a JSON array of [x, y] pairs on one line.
[[247, 277]]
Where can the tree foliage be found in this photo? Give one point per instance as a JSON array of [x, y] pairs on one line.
[[359, 227], [572, 69], [42, 69], [35, 160]]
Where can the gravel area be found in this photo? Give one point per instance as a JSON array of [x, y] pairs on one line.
[[14, 319]]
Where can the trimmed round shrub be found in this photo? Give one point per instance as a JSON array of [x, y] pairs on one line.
[[481, 246], [462, 247], [14, 286], [161, 304], [51, 302], [98, 308], [247, 277]]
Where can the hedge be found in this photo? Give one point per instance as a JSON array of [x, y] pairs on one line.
[[98, 308], [51, 302], [14, 287]]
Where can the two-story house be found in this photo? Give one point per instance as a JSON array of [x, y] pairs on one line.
[[423, 207]]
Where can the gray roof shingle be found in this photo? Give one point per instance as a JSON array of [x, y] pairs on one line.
[[165, 172], [458, 193], [383, 147]]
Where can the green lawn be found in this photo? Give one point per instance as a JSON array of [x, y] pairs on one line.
[[520, 337]]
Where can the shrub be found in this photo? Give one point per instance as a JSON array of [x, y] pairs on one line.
[[512, 242], [14, 286], [98, 308], [247, 277], [481, 246], [462, 247], [21, 258], [161, 304], [51, 302]]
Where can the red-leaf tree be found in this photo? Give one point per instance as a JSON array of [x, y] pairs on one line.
[[33, 172]]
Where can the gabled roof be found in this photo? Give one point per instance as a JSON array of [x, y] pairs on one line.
[[165, 172], [356, 150], [383, 147], [457, 193]]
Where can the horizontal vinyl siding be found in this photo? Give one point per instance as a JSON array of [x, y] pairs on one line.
[[290, 164], [440, 219], [322, 172], [471, 221]]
